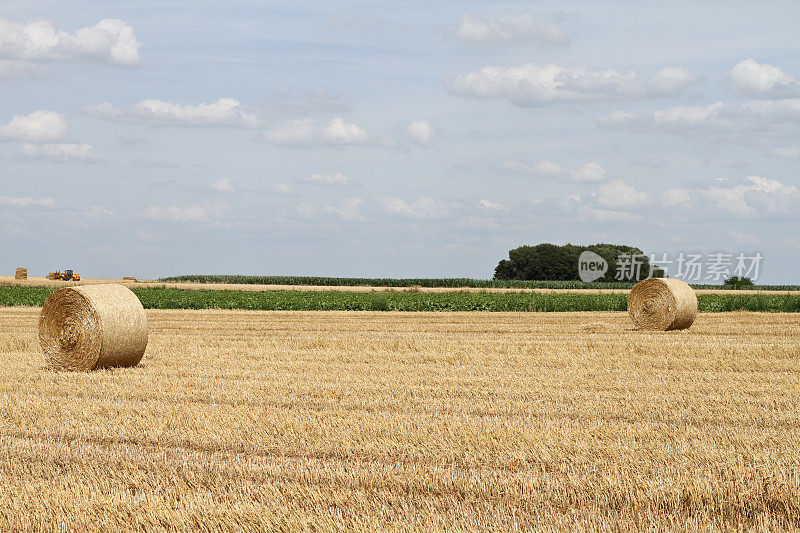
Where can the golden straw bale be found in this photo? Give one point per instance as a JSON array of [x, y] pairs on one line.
[[662, 304], [93, 326]]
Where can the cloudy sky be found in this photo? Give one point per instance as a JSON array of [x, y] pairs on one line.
[[392, 138]]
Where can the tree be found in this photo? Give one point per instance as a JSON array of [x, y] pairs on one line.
[[551, 262], [738, 282]]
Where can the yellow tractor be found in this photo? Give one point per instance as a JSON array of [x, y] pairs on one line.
[[67, 275]]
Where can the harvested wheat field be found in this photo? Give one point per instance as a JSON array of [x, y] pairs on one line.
[[408, 421]]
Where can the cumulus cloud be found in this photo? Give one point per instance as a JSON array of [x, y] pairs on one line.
[[652, 162], [521, 29], [39, 126], [283, 189], [618, 195], [306, 132], [587, 172], [331, 180], [791, 152], [488, 205], [96, 212], [149, 162], [205, 212], [59, 153], [678, 197], [423, 208], [224, 185], [348, 209], [676, 118], [340, 132], [286, 101], [110, 41], [670, 81], [755, 197], [297, 132], [751, 78], [716, 117], [155, 112], [20, 69], [27, 202], [421, 132], [745, 239], [588, 213], [542, 167], [532, 85], [130, 138]]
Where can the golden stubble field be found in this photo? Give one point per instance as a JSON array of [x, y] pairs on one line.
[[408, 421]]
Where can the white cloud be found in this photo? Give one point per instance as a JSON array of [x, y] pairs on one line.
[[730, 200], [424, 208], [751, 78], [205, 212], [283, 189], [618, 195], [617, 119], [756, 115], [745, 239], [671, 81], [534, 85], [686, 115], [672, 119], [340, 132], [130, 138], [678, 197], [109, 41], [286, 101], [791, 152], [587, 213], [293, 133], [348, 209], [95, 212], [305, 132], [520, 29], [756, 197], [20, 69], [786, 110], [27, 202], [331, 180], [155, 112], [149, 162], [488, 205], [542, 167], [421, 132], [588, 172], [59, 153], [224, 185], [39, 126], [652, 162]]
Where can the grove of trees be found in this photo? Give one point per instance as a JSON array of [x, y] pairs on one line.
[[552, 262]]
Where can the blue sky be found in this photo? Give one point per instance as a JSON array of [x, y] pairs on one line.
[[393, 139]]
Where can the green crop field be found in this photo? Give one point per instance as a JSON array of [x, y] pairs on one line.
[[168, 298], [432, 282]]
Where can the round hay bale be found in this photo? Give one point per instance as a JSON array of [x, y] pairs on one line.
[[93, 326], [662, 304]]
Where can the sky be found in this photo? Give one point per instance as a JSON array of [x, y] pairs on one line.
[[393, 139]]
